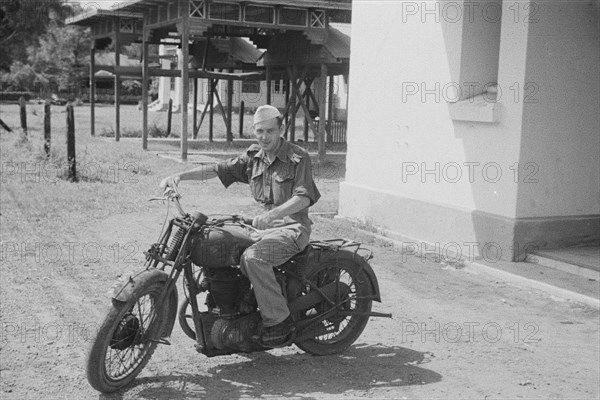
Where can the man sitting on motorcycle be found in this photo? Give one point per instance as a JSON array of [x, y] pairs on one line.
[[279, 174]]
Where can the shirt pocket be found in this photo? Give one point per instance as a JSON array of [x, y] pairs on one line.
[[283, 184], [256, 183]]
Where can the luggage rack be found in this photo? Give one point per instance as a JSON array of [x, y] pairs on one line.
[[337, 244]]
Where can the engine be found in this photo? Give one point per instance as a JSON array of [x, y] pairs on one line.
[[232, 318], [229, 292]]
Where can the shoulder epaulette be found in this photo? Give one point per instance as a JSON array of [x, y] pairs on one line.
[[254, 148], [296, 158]]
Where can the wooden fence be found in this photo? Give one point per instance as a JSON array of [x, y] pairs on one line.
[[336, 131]]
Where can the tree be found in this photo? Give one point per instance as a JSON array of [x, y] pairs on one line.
[[21, 24], [62, 56]]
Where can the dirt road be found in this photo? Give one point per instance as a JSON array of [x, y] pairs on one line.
[[453, 335]]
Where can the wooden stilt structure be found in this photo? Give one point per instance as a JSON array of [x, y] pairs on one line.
[[92, 89], [117, 40], [194, 124], [145, 83], [313, 55], [185, 77]]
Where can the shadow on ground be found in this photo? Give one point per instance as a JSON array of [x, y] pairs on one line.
[[360, 369]]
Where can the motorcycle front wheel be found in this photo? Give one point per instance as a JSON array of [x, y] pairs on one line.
[[347, 318], [127, 338]]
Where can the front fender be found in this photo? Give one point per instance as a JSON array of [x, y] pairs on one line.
[[137, 282], [135, 285]]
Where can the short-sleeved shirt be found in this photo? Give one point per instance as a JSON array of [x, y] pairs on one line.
[[272, 184]]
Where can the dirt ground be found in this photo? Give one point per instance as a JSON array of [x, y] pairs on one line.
[[453, 334]]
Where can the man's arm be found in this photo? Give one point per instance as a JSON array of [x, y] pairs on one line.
[[201, 173], [292, 206]]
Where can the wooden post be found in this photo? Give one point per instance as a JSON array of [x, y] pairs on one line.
[[47, 111], [330, 111], [287, 100], [322, 119], [307, 117], [293, 109], [23, 113], [6, 127], [229, 109], [169, 117], [72, 174], [268, 78], [145, 81], [201, 118], [242, 118], [92, 91], [117, 80], [212, 110], [195, 120], [185, 77]]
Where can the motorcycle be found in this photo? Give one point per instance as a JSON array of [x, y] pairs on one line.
[[330, 287]]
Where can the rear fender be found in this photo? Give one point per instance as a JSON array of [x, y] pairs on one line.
[[319, 255], [135, 285]]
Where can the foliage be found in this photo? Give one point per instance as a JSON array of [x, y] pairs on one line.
[[37, 51], [22, 22], [61, 56]]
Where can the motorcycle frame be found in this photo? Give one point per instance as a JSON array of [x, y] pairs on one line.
[[183, 263]]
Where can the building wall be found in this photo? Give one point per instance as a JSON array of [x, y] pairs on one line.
[[561, 125], [440, 134]]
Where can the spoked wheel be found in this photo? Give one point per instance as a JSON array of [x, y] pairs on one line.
[[346, 318], [127, 338]]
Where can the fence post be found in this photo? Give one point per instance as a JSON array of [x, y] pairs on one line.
[[71, 143], [169, 116], [23, 109], [6, 127], [241, 118], [47, 111]]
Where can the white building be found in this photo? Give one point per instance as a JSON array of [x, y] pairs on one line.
[[474, 126]]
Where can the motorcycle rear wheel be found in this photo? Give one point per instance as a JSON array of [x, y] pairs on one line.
[[127, 339], [336, 333]]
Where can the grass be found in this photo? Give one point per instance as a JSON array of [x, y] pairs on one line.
[[114, 177]]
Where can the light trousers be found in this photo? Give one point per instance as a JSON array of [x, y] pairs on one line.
[[275, 247]]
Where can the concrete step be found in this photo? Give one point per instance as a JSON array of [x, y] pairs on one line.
[[581, 261]]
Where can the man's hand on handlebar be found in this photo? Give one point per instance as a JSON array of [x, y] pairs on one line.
[[170, 182], [262, 221]]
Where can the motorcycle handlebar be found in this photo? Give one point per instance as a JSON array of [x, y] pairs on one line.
[[171, 194], [247, 221]]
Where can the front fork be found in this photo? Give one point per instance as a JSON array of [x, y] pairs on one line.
[[192, 288]]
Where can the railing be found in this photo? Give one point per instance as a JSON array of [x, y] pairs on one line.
[[335, 131]]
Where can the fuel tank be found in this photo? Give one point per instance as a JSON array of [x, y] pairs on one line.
[[218, 247]]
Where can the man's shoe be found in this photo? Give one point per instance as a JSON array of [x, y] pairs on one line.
[[277, 335]]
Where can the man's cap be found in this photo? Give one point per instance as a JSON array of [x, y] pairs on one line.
[[265, 113]]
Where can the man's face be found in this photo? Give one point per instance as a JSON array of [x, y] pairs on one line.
[[267, 134]]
